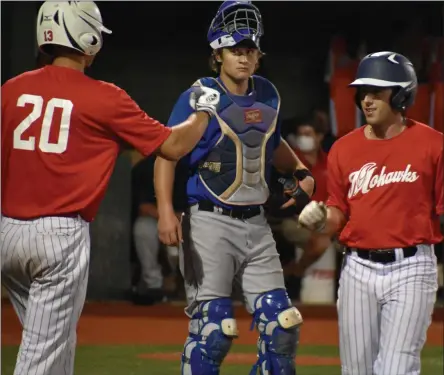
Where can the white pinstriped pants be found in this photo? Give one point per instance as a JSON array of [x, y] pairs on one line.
[[45, 271], [384, 312]]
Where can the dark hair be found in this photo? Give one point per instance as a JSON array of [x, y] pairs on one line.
[[293, 124], [216, 65], [43, 59], [56, 50], [213, 63]]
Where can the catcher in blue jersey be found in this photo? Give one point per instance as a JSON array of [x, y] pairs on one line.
[[226, 237]]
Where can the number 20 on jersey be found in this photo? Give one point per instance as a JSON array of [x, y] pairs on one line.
[[39, 109]]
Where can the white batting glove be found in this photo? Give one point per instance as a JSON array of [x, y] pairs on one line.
[[313, 216], [205, 99]]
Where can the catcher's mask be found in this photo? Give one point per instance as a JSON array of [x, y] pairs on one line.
[[234, 22]]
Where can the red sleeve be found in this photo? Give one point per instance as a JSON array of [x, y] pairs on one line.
[[135, 127], [336, 183], [439, 199]]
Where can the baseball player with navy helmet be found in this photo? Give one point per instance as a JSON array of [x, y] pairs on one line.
[[385, 188], [225, 234], [61, 134]]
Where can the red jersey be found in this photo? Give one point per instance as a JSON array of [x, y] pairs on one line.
[[61, 134], [319, 172], [390, 191]]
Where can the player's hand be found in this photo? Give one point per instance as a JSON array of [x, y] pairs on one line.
[[313, 216], [169, 228], [307, 184], [204, 99]]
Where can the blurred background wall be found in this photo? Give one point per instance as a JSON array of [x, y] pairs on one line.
[[158, 49]]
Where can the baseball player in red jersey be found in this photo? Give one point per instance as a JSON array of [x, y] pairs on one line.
[[61, 134], [385, 197]]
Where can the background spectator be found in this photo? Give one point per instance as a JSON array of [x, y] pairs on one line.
[[315, 260], [158, 264]]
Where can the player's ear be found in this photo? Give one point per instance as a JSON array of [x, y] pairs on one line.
[[218, 56]]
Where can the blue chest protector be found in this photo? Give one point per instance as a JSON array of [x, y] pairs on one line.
[[236, 169]]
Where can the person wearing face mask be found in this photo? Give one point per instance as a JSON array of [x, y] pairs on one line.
[[315, 253], [306, 141]]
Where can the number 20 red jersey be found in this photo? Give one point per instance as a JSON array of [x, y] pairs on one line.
[[61, 134]]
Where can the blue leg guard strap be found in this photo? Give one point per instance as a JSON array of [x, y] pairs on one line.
[[211, 332], [278, 324]]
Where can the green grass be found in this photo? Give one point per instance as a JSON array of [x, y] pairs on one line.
[[118, 360]]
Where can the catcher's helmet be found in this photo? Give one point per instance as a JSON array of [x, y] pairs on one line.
[[74, 24], [234, 22], [388, 70]]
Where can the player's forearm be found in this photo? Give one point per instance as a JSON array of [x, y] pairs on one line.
[[315, 248], [335, 221], [306, 260], [184, 136], [285, 160], [164, 172]]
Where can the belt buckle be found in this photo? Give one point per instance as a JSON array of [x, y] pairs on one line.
[[237, 215], [382, 256], [232, 214], [243, 214], [370, 255], [373, 256]]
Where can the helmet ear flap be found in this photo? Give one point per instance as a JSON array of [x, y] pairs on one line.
[[91, 43], [402, 98], [398, 99]]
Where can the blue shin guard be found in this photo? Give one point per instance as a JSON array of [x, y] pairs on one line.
[[278, 324], [211, 332]]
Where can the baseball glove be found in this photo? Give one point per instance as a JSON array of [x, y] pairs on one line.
[[283, 187]]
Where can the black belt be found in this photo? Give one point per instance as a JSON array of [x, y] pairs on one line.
[[384, 255], [235, 213]]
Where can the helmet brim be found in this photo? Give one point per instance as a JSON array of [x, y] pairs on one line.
[[377, 83]]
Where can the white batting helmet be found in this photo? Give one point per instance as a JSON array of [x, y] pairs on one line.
[[74, 24]]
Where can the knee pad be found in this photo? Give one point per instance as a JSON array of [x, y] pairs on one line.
[[211, 332], [278, 324]]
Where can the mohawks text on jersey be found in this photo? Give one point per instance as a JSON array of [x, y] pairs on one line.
[[365, 179]]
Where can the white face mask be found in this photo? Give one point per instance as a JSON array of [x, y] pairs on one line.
[[304, 143]]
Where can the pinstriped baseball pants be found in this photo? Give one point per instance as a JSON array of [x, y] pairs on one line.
[[45, 271], [385, 311]]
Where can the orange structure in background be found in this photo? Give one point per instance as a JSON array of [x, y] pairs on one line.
[[437, 87], [420, 111], [344, 114]]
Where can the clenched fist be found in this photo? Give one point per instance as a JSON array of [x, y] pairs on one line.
[[204, 99], [313, 216]]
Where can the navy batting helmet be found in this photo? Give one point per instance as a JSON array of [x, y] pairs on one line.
[[388, 70], [234, 22]]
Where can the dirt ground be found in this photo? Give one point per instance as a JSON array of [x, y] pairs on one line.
[[123, 323]]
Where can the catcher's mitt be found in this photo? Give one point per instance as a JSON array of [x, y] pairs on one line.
[[283, 187]]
